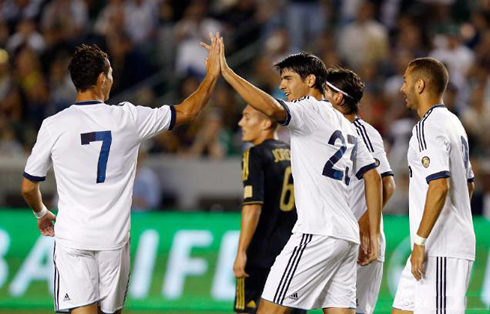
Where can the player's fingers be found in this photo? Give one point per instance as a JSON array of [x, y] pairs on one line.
[[365, 247], [205, 45], [416, 273], [222, 48]]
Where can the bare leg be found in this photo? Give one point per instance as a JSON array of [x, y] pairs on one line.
[[116, 312], [397, 311], [335, 310], [267, 307], [89, 309]]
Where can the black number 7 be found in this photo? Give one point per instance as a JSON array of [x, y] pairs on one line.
[[106, 138]]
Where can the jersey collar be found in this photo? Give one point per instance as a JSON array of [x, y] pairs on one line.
[[437, 106], [88, 102], [430, 110]]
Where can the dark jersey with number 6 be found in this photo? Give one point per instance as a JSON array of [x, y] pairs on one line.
[[267, 180]]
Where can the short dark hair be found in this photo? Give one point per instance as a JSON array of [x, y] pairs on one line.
[[305, 64], [433, 71], [350, 83], [87, 63]]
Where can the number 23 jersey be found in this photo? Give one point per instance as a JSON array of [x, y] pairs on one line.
[[325, 153], [439, 149], [94, 148]]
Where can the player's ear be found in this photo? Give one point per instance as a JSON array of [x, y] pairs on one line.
[[311, 80], [266, 124], [420, 86], [101, 78], [339, 98]]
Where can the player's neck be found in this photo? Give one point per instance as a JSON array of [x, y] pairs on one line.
[[90, 94], [425, 105], [264, 137], [316, 93], [351, 117]]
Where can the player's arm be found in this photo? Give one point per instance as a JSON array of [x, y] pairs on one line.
[[436, 197], [189, 109], [35, 172], [250, 220], [373, 194], [32, 195], [388, 184], [471, 188], [434, 203], [389, 187], [252, 95], [435, 162]]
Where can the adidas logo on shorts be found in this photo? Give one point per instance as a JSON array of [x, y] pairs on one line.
[[66, 298], [293, 296]]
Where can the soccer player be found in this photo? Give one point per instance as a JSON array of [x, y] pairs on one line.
[[317, 267], [268, 212], [436, 276], [344, 89], [93, 148]]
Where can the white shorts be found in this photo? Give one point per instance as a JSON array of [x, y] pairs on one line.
[[368, 283], [83, 277], [312, 272], [442, 290]]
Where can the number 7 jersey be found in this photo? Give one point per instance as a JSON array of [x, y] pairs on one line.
[[93, 148], [439, 149], [325, 153]]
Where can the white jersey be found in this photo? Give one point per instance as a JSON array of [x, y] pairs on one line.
[[325, 154], [374, 143], [93, 148], [439, 149]]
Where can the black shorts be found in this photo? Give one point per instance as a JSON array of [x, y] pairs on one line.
[[249, 291]]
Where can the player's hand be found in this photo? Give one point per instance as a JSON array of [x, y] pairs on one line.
[[212, 62], [418, 259], [45, 224], [222, 59], [364, 235], [239, 265], [373, 248]]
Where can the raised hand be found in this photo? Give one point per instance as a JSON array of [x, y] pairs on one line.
[[222, 59], [212, 61]]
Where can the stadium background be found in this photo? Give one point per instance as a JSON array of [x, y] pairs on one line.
[[188, 183]]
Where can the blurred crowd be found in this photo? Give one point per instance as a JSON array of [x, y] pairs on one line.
[[155, 53]]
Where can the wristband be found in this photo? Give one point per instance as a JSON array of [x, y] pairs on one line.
[[41, 213], [419, 240]]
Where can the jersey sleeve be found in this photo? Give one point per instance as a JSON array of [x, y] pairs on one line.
[[364, 161], [39, 161], [379, 155], [434, 148], [300, 115], [253, 177], [151, 121]]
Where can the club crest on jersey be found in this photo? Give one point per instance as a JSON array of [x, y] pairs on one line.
[[425, 161]]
